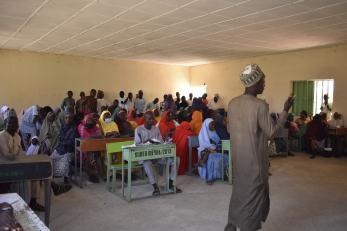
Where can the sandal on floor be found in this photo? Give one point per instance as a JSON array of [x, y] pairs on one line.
[[210, 182]]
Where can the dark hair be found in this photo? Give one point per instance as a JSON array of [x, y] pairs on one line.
[[45, 110], [184, 115], [303, 112], [148, 113], [317, 117]]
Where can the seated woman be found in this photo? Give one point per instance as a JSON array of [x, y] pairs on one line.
[[34, 148], [316, 134], [88, 129], [293, 129], [180, 138], [49, 134], [196, 122], [167, 126], [124, 126], [115, 109], [221, 128], [107, 125], [157, 116], [132, 119], [66, 148], [303, 119], [210, 158]]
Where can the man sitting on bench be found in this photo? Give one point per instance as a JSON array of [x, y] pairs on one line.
[[150, 133]]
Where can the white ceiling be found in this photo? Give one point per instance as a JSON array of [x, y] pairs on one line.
[[183, 32]]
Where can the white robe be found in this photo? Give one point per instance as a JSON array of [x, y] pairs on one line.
[[250, 127]]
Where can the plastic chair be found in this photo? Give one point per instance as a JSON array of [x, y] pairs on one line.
[[226, 147], [193, 142], [112, 148], [283, 133]]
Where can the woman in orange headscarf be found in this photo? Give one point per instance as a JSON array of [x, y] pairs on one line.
[[167, 125], [196, 122]]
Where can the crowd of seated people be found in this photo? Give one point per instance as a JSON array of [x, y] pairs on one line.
[[311, 133], [51, 131], [43, 130]]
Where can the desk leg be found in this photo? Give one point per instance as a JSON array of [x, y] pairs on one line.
[[167, 174], [75, 172], [80, 180], [190, 168], [123, 176], [230, 166], [47, 184], [129, 180], [176, 170], [223, 165]]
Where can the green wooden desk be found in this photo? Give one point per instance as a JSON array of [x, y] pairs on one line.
[[146, 152], [227, 147]]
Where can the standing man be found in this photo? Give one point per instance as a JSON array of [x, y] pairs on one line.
[[122, 100], [190, 100], [251, 126], [140, 104], [68, 101], [102, 103], [326, 106], [129, 102], [78, 102], [90, 103]]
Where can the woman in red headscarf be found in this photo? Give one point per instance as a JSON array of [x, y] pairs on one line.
[[180, 138], [167, 125]]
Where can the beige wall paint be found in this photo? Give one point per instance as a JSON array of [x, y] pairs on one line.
[[28, 78], [32, 78], [280, 70]]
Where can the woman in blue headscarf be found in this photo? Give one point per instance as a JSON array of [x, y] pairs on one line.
[[209, 153]]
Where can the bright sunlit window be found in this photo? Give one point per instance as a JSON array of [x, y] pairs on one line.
[[199, 90], [322, 87]]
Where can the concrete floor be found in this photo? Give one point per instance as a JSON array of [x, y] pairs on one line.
[[305, 195]]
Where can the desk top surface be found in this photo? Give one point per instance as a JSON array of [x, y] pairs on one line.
[[24, 215], [23, 159], [338, 131], [98, 144], [103, 139], [150, 146]]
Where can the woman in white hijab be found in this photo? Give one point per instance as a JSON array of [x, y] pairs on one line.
[[209, 153]]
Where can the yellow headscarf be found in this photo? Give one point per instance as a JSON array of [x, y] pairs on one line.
[[107, 128]]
